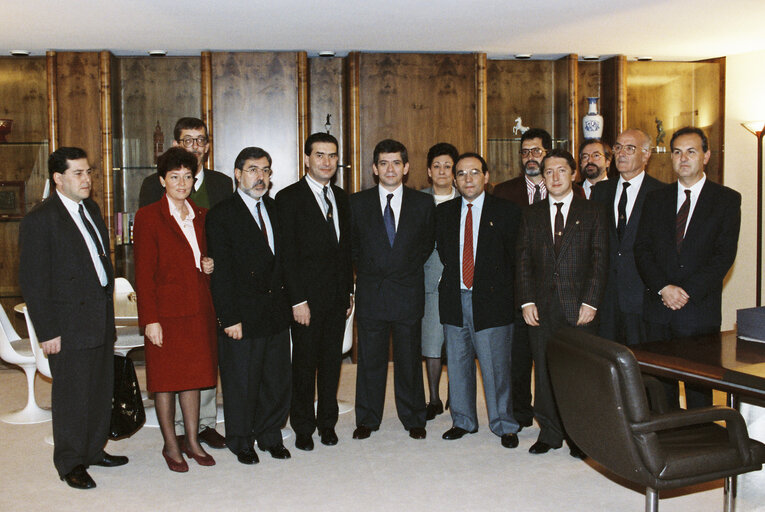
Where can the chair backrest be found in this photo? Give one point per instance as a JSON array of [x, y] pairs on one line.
[[348, 336], [40, 358], [7, 336], [599, 393]]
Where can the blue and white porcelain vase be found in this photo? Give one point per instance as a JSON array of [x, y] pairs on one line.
[[592, 123]]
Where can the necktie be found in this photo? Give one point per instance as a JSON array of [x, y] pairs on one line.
[[622, 209], [537, 194], [330, 215], [682, 220], [558, 238], [390, 221], [100, 248], [260, 219], [467, 250]]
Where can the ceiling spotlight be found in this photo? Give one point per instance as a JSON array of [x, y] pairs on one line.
[[20, 53], [644, 59], [590, 57], [522, 56], [326, 53], [157, 53]]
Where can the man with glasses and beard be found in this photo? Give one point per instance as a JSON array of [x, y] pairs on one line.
[[594, 162]]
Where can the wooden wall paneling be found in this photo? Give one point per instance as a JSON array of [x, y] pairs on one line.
[[254, 104], [50, 71], [564, 85], [327, 98], [516, 89], [352, 121], [481, 102], [709, 97], [613, 98], [105, 88], [303, 108], [206, 99], [588, 85], [418, 99]]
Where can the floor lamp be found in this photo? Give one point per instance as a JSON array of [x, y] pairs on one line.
[[758, 129]]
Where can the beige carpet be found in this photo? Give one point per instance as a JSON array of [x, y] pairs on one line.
[[388, 471]]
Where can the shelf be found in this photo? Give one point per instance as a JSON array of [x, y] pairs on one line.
[[17, 144]]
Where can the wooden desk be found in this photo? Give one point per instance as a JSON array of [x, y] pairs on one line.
[[720, 361]]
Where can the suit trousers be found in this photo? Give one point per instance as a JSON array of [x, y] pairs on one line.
[[372, 372], [620, 326], [255, 381], [521, 364], [493, 346], [81, 400], [317, 352]]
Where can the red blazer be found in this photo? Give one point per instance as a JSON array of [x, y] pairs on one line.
[[164, 263]]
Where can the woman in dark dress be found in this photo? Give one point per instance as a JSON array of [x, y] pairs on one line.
[[175, 306]]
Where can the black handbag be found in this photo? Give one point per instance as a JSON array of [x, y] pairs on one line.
[[127, 405]]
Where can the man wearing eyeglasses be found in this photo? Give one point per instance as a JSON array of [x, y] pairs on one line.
[[244, 239], [621, 316], [594, 162], [475, 237], [210, 188]]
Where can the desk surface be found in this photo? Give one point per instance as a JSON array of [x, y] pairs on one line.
[[721, 361]]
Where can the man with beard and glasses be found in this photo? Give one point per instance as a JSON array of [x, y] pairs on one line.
[[247, 286], [621, 314], [594, 162]]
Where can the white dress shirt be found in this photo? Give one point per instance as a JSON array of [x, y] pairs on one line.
[[198, 179], [695, 191], [318, 192], [477, 210], [187, 227], [395, 202], [632, 193], [252, 205], [564, 210], [74, 210], [587, 186]]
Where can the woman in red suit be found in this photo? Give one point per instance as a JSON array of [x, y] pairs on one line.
[[175, 306]]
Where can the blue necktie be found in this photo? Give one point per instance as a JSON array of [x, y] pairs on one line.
[[390, 221]]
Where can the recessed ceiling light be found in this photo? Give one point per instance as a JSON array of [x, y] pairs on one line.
[[644, 58], [157, 53], [326, 53], [590, 57], [20, 53], [522, 55]]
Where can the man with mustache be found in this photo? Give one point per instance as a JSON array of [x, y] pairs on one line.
[[210, 188], [621, 315], [594, 162]]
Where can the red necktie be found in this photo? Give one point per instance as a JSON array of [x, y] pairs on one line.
[[467, 250]]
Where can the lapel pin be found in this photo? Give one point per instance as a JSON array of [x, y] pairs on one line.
[[491, 223]]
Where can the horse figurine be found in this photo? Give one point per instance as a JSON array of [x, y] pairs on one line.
[[518, 127]]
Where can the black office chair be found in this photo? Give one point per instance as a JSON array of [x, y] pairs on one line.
[[603, 405]]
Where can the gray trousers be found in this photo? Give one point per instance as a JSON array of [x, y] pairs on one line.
[[493, 346], [208, 411]]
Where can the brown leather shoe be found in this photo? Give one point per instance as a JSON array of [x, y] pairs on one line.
[[212, 438]]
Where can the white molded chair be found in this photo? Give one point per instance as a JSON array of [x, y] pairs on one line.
[[18, 351], [41, 360]]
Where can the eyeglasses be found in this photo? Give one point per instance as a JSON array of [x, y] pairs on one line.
[[628, 149], [187, 142], [473, 173], [590, 156], [533, 152], [266, 171]]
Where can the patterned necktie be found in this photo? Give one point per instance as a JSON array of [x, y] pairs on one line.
[[262, 223], [100, 248], [558, 238], [468, 266], [390, 221], [537, 194], [682, 220], [622, 209], [330, 214]]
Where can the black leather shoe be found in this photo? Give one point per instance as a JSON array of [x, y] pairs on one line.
[[110, 461], [575, 451], [248, 456], [455, 433], [212, 438], [278, 451], [362, 432], [509, 440], [303, 442], [328, 436], [417, 433], [433, 409], [540, 447], [79, 478]]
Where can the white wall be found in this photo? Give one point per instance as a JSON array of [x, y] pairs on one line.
[[744, 101]]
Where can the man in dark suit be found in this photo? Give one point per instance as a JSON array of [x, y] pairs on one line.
[[562, 266], [243, 238], [476, 237], [621, 315], [210, 188], [392, 231], [67, 280], [686, 243], [316, 253]]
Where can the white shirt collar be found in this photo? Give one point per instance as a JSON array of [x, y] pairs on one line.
[[566, 200], [175, 212], [634, 182], [477, 202], [695, 188], [198, 179], [396, 193], [71, 206]]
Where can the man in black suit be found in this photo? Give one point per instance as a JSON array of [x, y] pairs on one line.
[[392, 230], [316, 253], [562, 265], [476, 237], [243, 238], [686, 243], [210, 188], [621, 315], [67, 280]]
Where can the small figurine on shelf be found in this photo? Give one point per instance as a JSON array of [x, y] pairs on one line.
[[660, 134], [518, 128], [159, 142], [328, 124], [5, 128]]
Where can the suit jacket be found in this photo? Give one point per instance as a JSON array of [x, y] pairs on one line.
[[707, 253], [624, 280], [58, 280], [494, 271], [247, 285], [219, 187], [390, 280], [578, 274], [515, 190], [317, 266]]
